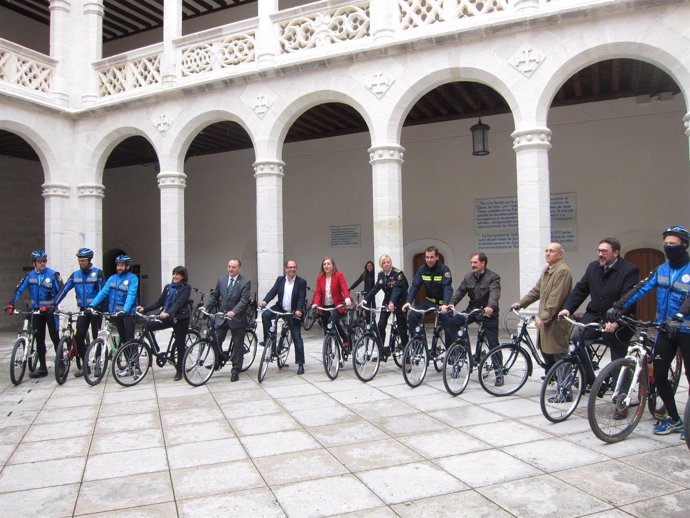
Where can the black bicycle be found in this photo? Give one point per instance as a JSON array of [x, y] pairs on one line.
[[24, 350], [133, 359], [333, 353], [460, 361], [369, 351], [310, 314], [573, 374], [277, 343], [417, 352], [205, 356], [67, 347]]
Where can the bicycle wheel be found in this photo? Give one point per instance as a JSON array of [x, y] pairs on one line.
[[656, 405], [309, 319], [614, 411], [62, 359], [440, 353], [199, 362], [249, 349], [484, 351], [331, 357], [18, 360], [283, 350], [266, 358], [457, 368], [561, 390], [415, 362], [365, 357], [32, 357], [131, 363], [504, 370], [96, 362], [396, 349]]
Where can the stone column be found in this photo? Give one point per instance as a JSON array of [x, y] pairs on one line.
[[60, 46], [266, 35], [57, 215], [269, 222], [93, 48], [171, 185], [383, 19], [386, 170], [90, 203], [534, 201], [686, 123], [172, 28]]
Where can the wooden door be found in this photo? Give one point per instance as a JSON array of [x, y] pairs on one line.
[[646, 259]]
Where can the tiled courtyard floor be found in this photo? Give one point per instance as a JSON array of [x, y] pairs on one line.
[[306, 446]]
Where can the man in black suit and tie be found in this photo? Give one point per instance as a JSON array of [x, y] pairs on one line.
[[291, 291], [231, 294]]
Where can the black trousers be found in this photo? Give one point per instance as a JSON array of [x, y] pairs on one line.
[[39, 323], [236, 344], [83, 323], [180, 327], [664, 352]]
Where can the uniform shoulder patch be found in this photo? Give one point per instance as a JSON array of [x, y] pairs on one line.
[[447, 274], [400, 276]]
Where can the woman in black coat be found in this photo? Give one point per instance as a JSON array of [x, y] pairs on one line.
[[176, 312]]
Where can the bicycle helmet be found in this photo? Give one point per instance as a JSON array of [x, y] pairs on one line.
[[85, 253], [38, 254], [678, 231], [123, 258]]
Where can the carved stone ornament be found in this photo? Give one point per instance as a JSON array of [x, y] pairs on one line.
[[56, 189], [380, 84], [526, 60], [262, 103], [162, 123]]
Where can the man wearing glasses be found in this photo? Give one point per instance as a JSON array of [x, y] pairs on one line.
[[43, 284]]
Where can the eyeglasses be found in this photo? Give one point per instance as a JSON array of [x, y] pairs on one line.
[[602, 251], [41, 260]]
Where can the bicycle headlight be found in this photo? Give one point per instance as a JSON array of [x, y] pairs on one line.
[[571, 348]]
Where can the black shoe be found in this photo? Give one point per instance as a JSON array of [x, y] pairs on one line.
[[41, 372], [79, 373], [234, 377], [300, 370], [262, 343], [178, 376]]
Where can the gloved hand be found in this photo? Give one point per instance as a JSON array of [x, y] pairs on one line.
[[613, 314], [43, 309], [672, 327], [9, 309]]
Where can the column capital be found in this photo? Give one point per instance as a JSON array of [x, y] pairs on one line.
[[381, 153], [60, 5], [174, 179], [91, 190], [533, 138], [56, 189], [94, 7], [686, 123], [268, 168]]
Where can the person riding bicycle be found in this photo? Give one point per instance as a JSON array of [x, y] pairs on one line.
[[672, 282], [291, 291], [393, 283], [176, 312], [43, 284], [483, 289], [331, 291], [87, 281], [438, 282], [121, 291]]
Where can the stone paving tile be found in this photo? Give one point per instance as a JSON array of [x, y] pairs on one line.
[[442, 444], [43, 432], [517, 408], [5, 452], [675, 462], [127, 463], [408, 424], [632, 445], [53, 449], [293, 404], [163, 510], [13, 434], [436, 401], [542, 496], [486, 467], [343, 383], [146, 406], [124, 492], [402, 391], [171, 418], [257, 503], [59, 415], [374, 454], [193, 432], [200, 400], [283, 391], [325, 497], [675, 505], [215, 479], [88, 398], [251, 408], [377, 512], [412, 481], [239, 395], [505, 433], [554, 454], [347, 433], [617, 483], [380, 409], [325, 416], [126, 395], [364, 394], [465, 416], [299, 466], [128, 423], [278, 442], [126, 441], [573, 425], [263, 424], [48, 502], [53, 473], [463, 504], [200, 453]]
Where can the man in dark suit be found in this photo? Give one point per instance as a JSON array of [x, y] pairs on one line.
[[292, 292], [231, 296], [605, 281]]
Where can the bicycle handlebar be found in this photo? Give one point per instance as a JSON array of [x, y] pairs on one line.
[[522, 317], [640, 323], [278, 313], [470, 314], [148, 317], [423, 311], [592, 325], [329, 309]]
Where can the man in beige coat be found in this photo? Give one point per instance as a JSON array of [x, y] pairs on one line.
[[551, 291]]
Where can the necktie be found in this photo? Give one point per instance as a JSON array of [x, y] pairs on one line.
[[231, 284]]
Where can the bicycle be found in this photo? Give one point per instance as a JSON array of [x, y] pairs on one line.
[[24, 351], [205, 356], [67, 347], [614, 411], [333, 352], [277, 344], [460, 361], [417, 353], [573, 374], [506, 368], [310, 315], [368, 351], [133, 359], [100, 350]]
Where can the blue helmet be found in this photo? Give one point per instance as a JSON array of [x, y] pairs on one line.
[[85, 253], [123, 258], [38, 254], [678, 231]]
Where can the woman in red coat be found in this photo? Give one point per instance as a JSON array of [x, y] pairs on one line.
[[331, 291]]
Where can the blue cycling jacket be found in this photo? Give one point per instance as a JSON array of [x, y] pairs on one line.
[[42, 286], [121, 290], [86, 286]]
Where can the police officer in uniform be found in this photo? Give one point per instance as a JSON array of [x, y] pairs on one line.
[[87, 281], [438, 282], [394, 285], [43, 284]]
